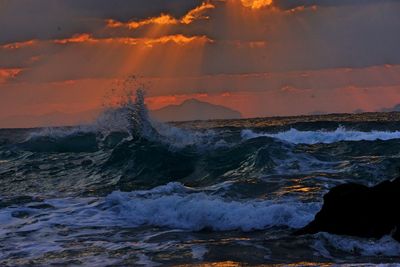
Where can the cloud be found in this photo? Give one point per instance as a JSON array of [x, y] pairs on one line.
[[164, 19], [149, 42], [53, 19], [256, 4], [261, 40], [331, 55], [8, 74], [331, 36], [19, 45], [291, 4]]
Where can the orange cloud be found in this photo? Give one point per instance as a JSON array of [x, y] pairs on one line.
[[19, 45], [165, 19], [256, 4], [77, 38], [177, 39], [8, 74], [149, 42], [197, 13]]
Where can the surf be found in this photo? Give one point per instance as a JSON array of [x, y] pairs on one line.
[[325, 137]]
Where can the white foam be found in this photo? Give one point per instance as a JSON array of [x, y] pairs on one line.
[[196, 211], [198, 252], [314, 137], [180, 138], [173, 206], [386, 246], [144, 260]]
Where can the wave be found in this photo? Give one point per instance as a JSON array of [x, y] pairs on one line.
[[128, 121], [386, 246], [326, 137], [171, 206], [147, 164], [131, 117], [74, 142]]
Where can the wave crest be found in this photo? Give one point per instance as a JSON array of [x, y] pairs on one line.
[[197, 211], [326, 137]]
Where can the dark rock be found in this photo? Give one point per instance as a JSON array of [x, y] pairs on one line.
[[357, 210]]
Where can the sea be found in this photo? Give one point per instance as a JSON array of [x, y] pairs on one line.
[[129, 191]]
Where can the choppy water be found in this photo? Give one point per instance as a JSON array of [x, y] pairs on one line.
[[226, 192]]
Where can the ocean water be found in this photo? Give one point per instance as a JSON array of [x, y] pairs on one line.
[[130, 191]]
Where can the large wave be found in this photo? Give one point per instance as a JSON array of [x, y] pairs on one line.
[[129, 120]]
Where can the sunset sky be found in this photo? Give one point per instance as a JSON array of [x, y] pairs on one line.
[[260, 57]]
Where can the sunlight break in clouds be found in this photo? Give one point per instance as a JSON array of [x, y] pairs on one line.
[[177, 39], [256, 4]]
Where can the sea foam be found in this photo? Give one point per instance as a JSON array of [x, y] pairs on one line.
[[197, 211], [172, 206], [327, 137], [386, 246]]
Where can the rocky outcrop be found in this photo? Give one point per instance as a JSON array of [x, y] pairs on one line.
[[358, 210]]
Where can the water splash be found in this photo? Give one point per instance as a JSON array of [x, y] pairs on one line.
[[132, 116], [129, 114]]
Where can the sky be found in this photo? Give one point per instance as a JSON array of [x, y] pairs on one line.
[[260, 57]]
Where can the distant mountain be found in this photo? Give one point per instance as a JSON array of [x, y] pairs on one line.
[[194, 109]]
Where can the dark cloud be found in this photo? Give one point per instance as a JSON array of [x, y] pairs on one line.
[[354, 36], [22, 20], [290, 4]]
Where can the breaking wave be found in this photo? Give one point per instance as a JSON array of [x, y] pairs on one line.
[[326, 137], [129, 120], [172, 206]]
